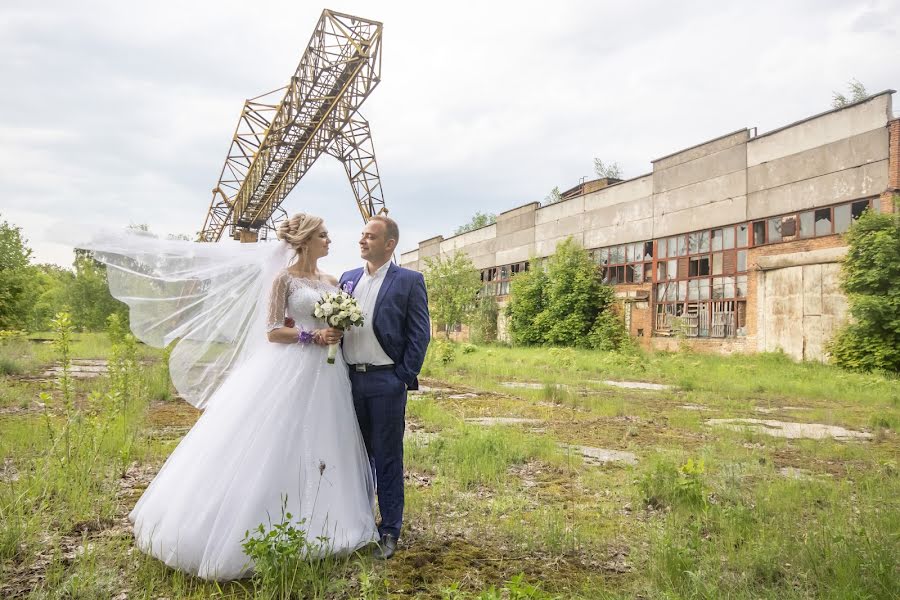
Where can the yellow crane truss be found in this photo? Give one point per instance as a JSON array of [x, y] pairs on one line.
[[277, 141]]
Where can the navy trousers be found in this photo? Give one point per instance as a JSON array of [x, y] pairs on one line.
[[380, 401]]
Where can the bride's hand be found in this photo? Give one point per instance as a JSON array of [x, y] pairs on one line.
[[329, 335]]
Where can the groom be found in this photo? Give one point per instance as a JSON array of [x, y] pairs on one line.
[[384, 357]]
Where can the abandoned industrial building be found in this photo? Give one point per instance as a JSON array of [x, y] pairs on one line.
[[736, 242]]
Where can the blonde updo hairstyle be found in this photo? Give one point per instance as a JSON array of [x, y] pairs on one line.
[[298, 230]]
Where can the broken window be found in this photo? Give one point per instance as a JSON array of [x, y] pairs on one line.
[[789, 226], [648, 250], [773, 231], [661, 270], [806, 224], [698, 266], [759, 233], [740, 286], [823, 221], [742, 235], [858, 208], [716, 240]]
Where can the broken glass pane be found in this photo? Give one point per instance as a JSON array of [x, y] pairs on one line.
[[742, 235], [858, 208], [774, 230], [823, 221], [716, 240], [759, 233], [789, 226]]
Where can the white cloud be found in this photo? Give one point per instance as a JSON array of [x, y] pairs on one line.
[[122, 112]]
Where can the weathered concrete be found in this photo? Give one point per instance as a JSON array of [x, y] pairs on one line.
[[788, 430], [865, 148], [601, 456], [716, 164], [820, 130], [700, 150], [801, 307], [858, 182]]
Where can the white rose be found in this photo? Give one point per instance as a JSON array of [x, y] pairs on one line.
[[327, 309], [334, 320], [318, 312], [343, 314], [354, 317]]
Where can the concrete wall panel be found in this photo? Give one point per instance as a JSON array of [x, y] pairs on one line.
[[517, 254], [572, 225], [559, 210], [701, 150], [704, 192], [724, 212], [546, 247], [466, 239], [862, 149], [820, 130], [635, 231], [867, 180], [707, 167], [620, 193]]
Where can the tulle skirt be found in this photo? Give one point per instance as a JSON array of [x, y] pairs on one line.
[[280, 435]]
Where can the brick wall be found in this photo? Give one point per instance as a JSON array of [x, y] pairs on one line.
[[887, 202]]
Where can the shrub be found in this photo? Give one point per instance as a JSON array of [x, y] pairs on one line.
[[871, 279]]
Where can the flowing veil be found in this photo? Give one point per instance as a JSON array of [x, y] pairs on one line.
[[211, 299]]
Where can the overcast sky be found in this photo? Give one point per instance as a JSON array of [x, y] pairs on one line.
[[121, 112]]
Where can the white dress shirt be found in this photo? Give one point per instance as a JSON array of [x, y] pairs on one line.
[[360, 343]]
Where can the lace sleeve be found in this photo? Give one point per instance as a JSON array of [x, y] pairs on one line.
[[277, 303]]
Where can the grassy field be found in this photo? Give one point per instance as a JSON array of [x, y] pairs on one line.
[[509, 493]]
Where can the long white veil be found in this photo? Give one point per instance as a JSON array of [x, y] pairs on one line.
[[211, 298]]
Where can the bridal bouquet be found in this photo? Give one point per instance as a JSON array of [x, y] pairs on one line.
[[341, 311]]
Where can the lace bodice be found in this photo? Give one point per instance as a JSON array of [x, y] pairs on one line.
[[295, 297]]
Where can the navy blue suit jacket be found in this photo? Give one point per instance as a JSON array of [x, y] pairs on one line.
[[400, 320]]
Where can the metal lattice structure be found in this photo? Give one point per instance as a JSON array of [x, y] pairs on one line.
[[277, 141]]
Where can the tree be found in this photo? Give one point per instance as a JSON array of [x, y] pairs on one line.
[[478, 221], [565, 305], [15, 277], [526, 302], [575, 297], [483, 321], [88, 294], [553, 197], [452, 284], [857, 93], [609, 171], [871, 280]]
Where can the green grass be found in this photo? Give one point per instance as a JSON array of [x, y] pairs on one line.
[[504, 511]]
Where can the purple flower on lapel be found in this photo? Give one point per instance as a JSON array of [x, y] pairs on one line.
[[348, 286]]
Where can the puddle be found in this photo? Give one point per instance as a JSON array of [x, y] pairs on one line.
[[814, 431], [489, 421], [636, 385], [602, 456]]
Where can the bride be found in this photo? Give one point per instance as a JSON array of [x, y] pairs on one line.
[[278, 432]]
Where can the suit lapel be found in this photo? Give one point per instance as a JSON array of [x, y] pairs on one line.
[[385, 286]]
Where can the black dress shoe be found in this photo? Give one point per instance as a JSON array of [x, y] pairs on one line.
[[386, 547]]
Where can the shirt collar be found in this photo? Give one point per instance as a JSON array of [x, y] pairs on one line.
[[379, 273]]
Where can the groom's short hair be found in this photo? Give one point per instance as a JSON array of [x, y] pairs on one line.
[[391, 230]]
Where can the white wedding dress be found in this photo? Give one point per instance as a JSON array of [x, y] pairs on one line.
[[280, 426]]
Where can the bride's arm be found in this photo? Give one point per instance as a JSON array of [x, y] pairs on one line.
[[277, 332]]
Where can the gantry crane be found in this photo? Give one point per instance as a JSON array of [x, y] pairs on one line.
[[280, 134]]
